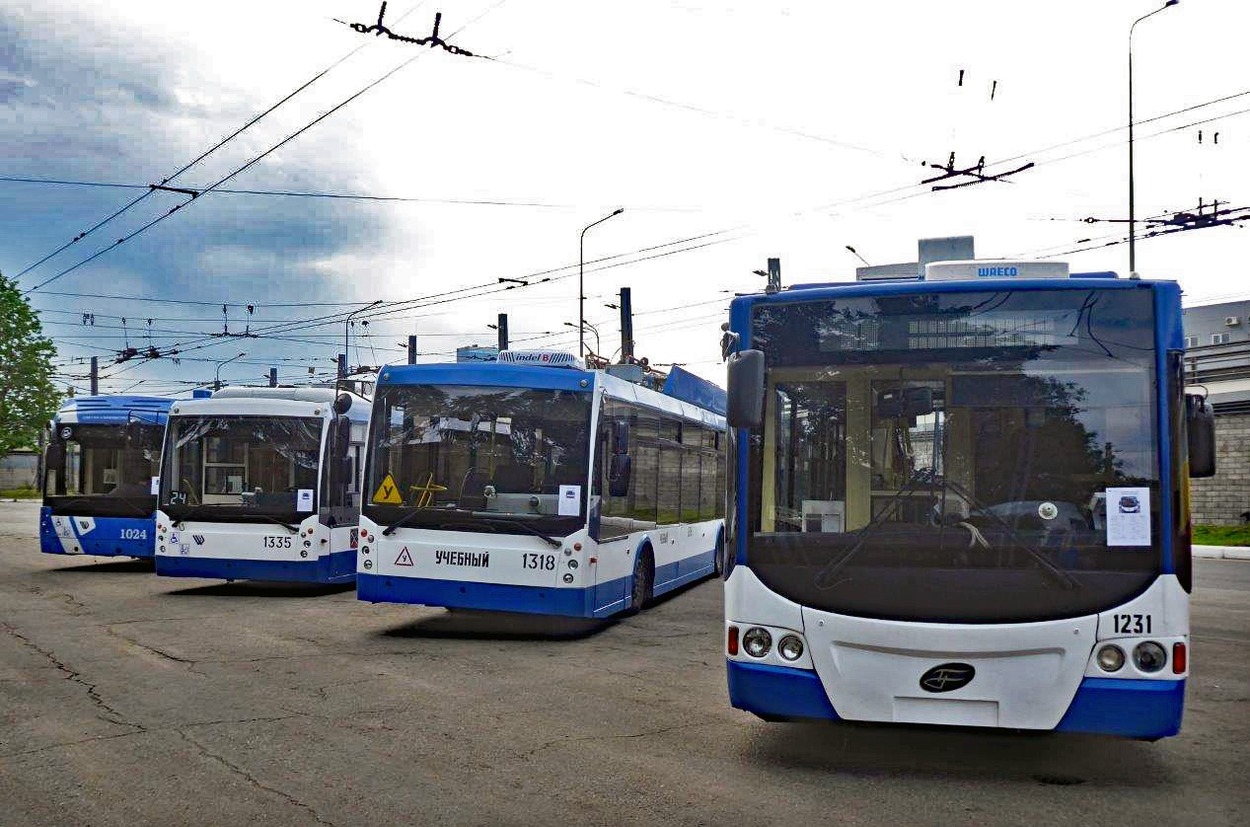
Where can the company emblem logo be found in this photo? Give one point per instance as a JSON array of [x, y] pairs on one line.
[[947, 677], [198, 538]]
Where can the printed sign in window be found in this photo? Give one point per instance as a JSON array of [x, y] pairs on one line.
[[1128, 516], [304, 499], [570, 501]]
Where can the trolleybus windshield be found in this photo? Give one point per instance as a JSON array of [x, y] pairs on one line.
[[232, 467], [957, 456], [469, 458], [105, 470]]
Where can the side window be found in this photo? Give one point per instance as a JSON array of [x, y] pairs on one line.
[[670, 483], [645, 454], [691, 471]]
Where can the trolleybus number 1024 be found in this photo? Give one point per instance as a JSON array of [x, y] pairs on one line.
[[1132, 624], [134, 534], [541, 562]]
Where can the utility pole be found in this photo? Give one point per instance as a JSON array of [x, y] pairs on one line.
[[502, 327], [95, 375], [412, 349], [273, 377], [627, 327]]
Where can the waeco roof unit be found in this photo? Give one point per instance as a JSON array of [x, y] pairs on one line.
[[971, 270]]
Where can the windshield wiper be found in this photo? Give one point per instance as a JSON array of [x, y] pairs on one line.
[[471, 520], [102, 498], [192, 513], [403, 521], [1062, 577], [291, 528], [518, 524]]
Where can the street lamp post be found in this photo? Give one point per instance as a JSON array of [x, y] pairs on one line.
[[1132, 214], [594, 330], [347, 322], [581, 280], [217, 378]]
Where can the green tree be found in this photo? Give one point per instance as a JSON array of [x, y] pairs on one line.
[[28, 398]]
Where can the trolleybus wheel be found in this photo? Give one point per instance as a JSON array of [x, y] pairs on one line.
[[644, 581]]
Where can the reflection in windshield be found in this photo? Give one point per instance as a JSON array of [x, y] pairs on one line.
[[257, 464], [951, 456], [492, 452]]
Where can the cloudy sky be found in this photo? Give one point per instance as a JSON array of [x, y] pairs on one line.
[[729, 132]]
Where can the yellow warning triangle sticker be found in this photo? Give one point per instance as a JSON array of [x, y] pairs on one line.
[[404, 558], [388, 492]]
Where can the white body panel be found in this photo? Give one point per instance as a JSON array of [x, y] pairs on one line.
[[1026, 673], [269, 542]]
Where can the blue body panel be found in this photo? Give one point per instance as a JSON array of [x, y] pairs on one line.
[[1130, 708], [111, 536], [489, 374], [602, 600], [339, 567], [775, 691]]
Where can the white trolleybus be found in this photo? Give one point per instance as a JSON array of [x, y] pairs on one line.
[[533, 485], [262, 484], [963, 500]]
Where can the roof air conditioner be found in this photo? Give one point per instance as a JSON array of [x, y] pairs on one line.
[[1231, 321]]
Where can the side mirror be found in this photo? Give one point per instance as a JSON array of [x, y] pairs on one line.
[[342, 403], [54, 458], [620, 436], [618, 475], [342, 436], [1200, 425], [745, 405]]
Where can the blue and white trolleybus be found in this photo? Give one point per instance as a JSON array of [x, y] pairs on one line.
[[262, 484], [963, 500], [102, 455], [533, 485]]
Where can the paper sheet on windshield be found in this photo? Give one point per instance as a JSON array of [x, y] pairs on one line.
[[1128, 516], [304, 499], [570, 501]]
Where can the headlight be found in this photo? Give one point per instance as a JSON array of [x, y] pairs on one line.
[[1149, 656], [1110, 658], [756, 642], [790, 647]]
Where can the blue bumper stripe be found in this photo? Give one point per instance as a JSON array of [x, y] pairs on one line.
[[777, 690], [105, 540], [339, 567], [1131, 708]]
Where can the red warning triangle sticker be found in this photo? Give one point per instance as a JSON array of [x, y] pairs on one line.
[[404, 558]]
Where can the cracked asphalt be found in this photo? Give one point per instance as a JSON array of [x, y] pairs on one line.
[[129, 699]]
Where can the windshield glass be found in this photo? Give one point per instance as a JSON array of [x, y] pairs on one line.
[[107, 470], [235, 466], [959, 457], [505, 460]]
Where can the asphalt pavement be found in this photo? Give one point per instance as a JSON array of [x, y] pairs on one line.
[[131, 699]]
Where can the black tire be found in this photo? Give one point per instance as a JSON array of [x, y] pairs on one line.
[[644, 582], [718, 565]]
